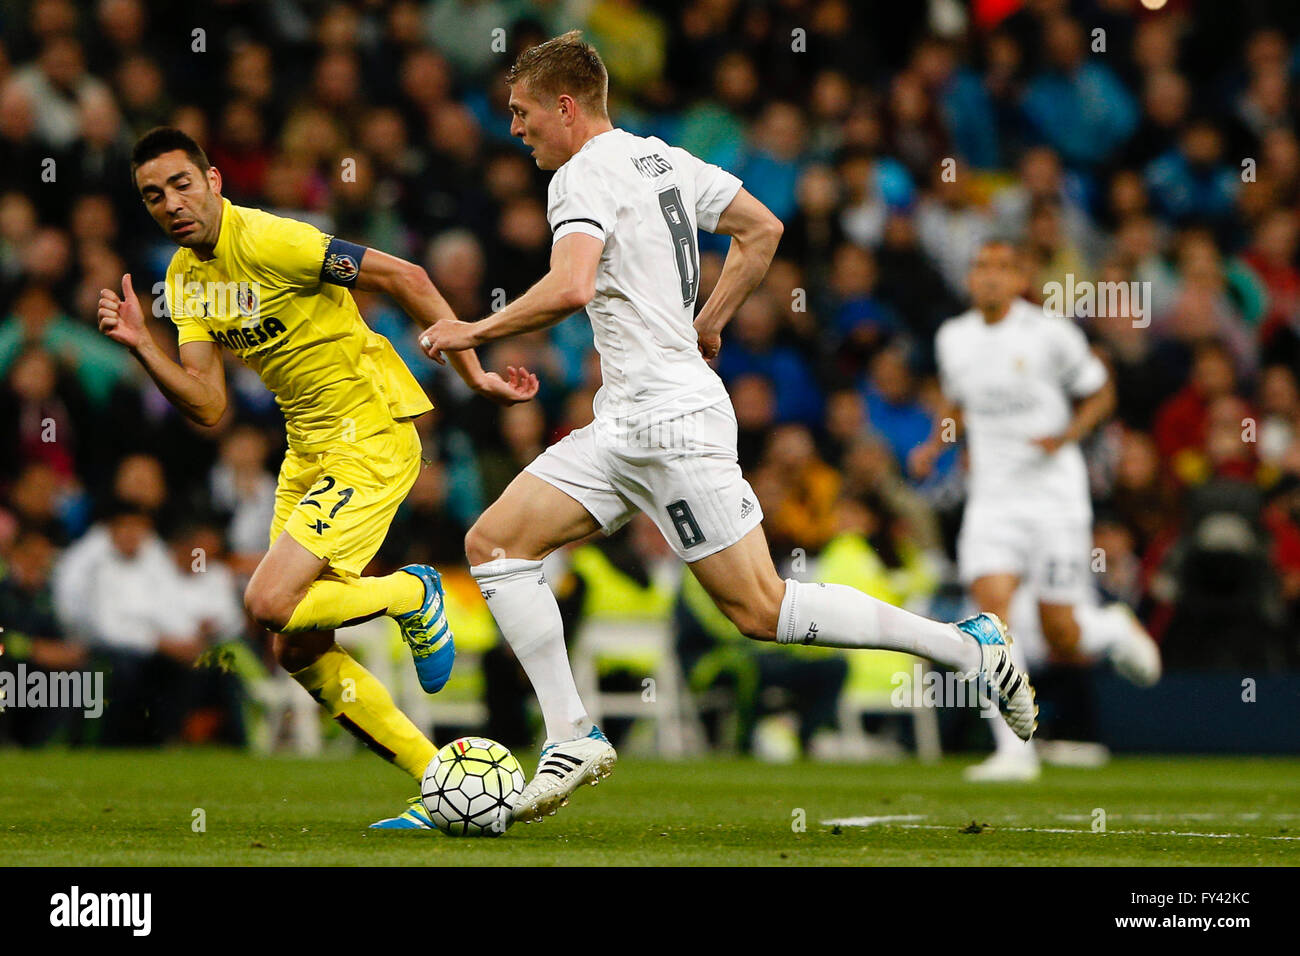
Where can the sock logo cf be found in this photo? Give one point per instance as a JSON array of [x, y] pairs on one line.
[[811, 636]]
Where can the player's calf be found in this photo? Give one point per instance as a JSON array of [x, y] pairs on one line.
[[1060, 629], [743, 583], [755, 615], [294, 652]]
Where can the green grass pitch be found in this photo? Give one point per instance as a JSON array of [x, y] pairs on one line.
[[132, 808]]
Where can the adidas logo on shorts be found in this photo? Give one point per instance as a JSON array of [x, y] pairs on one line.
[[746, 506]]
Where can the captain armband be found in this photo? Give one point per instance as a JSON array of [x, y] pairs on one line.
[[342, 262]]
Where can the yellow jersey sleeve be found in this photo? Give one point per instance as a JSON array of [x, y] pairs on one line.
[[288, 253], [189, 328]]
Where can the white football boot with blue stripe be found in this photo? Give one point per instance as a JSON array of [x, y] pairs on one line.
[[414, 817], [427, 633], [564, 766], [1011, 689]]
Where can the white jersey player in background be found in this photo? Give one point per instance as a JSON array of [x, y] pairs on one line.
[[624, 210], [1025, 388]]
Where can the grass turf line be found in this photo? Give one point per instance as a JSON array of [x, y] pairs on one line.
[[136, 808]]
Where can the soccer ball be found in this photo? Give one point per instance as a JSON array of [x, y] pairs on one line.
[[470, 787]]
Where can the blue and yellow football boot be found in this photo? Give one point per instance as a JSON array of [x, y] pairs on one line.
[[414, 817], [427, 633]]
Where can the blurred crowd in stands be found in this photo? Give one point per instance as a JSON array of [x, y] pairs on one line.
[[1118, 144]]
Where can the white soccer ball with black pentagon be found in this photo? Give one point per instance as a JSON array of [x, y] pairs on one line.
[[470, 787]]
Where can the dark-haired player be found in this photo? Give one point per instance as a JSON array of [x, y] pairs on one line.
[[275, 292], [1025, 389]]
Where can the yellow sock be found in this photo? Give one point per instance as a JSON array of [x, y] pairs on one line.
[[364, 707], [333, 602]]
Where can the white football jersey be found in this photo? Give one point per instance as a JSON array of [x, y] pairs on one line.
[[644, 200], [1015, 381]]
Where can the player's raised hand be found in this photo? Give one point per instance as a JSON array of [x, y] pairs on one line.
[[122, 319], [519, 385]]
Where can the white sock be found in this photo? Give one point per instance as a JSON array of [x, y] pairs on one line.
[[1102, 628], [835, 615], [525, 610]]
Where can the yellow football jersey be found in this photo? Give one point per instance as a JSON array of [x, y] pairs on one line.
[[263, 297]]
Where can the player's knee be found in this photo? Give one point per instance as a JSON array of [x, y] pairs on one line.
[[269, 609], [480, 548], [485, 542]]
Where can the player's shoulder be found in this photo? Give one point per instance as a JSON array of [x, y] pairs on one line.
[[251, 226], [269, 247], [958, 327], [181, 261], [1027, 311], [653, 157], [614, 146], [1051, 325], [571, 172], [614, 155]]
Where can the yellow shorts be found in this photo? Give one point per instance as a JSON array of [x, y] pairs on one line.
[[338, 503]]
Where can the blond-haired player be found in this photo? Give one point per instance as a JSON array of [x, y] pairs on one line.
[[624, 211]]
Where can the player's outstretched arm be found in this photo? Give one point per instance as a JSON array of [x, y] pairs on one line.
[[411, 288], [197, 386], [755, 232], [567, 287]]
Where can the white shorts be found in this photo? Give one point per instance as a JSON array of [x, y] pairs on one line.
[[681, 471], [1051, 555]]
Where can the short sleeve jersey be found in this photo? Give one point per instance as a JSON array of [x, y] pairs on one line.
[[1015, 380], [270, 294], [644, 200]]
